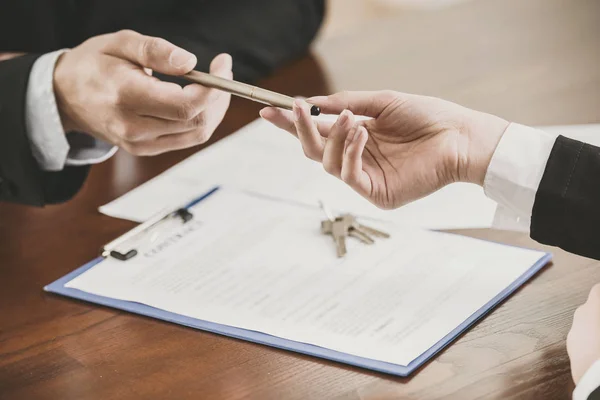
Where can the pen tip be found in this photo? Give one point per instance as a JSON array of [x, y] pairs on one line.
[[315, 110]]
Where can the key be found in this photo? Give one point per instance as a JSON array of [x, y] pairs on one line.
[[337, 229], [354, 230], [363, 237], [339, 233], [327, 227], [352, 223]]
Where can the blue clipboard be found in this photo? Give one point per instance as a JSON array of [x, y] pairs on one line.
[[58, 287]]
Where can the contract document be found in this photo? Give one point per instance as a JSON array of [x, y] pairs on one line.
[[263, 266]]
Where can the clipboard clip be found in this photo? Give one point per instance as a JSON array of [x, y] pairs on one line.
[[110, 249], [183, 213]]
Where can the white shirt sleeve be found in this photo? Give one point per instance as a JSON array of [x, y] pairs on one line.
[[51, 148], [588, 383], [514, 174]]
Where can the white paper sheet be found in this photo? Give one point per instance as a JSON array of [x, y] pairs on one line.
[[263, 265], [262, 159]]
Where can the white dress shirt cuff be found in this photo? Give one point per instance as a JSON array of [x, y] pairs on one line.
[[515, 172], [51, 148], [588, 383], [86, 150]]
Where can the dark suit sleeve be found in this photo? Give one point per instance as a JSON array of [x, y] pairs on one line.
[[566, 211], [595, 395], [21, 179], [261, 35]]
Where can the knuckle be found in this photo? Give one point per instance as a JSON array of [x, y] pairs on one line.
[[202, 136], [125, 34], [198, 121], [186, 111], [149, 48], [146, 49], [129, 133], [330, 168], [96, 41], [309, 154], [137, 150], [116, 128], [128, 147], [343, 96], [120, 96], [347, 176], [388, 94], [125, 131]]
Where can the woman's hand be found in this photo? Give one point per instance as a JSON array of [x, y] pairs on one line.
[[411, 146]]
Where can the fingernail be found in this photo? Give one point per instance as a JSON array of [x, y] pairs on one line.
[[344, 117], [180, 58], [264, 112]]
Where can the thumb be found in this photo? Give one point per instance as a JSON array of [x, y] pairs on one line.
[[369, 104], [221, 66], [150, 52]]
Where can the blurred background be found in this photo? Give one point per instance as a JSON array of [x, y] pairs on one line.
[[531, 61]]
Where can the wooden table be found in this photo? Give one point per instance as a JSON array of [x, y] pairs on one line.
[[535, 61]]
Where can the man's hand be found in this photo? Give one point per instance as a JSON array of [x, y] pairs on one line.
[[104, 88], [583, 340], [412, 146]]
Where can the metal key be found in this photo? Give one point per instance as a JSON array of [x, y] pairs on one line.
[[337, 229], [363, 237], [353, 224]]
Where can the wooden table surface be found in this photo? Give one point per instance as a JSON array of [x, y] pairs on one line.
[[534, 61]]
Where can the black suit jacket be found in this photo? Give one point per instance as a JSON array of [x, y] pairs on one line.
[[566, 211], [260, 34]]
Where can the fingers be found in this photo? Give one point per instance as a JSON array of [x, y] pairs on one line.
[[370, 104], [150, 52], [164, 144], [283, 119], [352, 166], [150, 135], [334, 149], [311, 140], [343, 150], [150, 97], [280, 118], [134, 128]]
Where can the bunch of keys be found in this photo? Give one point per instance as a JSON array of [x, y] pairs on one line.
[[346, 225]]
